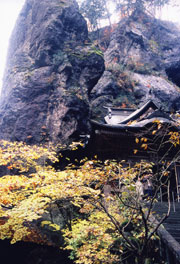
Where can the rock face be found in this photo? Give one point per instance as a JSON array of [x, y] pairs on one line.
[[56, 78], [51, 69], [142, 61]]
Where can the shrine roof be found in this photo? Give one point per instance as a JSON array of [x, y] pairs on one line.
[[132, 119]]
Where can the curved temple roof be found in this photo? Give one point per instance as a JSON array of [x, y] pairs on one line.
[[124, 116], [130, 118]]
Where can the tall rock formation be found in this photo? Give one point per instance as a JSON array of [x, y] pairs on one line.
[[56, 78], [142, 62], [51, 69]]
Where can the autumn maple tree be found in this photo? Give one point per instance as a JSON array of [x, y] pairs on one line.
[[119, 226], [109, 221]]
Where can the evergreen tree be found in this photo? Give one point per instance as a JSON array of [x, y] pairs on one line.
[[96, 10], [126, 7]]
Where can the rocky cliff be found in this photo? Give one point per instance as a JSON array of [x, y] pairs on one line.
[[51, 69], [142, 61], [56, 77]]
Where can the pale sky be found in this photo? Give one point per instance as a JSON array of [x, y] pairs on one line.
[[9, 10]]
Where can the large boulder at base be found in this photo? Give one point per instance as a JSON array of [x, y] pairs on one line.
[[51, 68], [142, 62]]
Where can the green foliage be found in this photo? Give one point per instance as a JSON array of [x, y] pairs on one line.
[[58, 57], [83, 54], [154, 46], [94, 49]]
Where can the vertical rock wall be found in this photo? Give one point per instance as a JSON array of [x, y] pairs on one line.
[[51, 68]]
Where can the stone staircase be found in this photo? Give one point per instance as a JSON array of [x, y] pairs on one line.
[[169, 231], [172, 223]]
